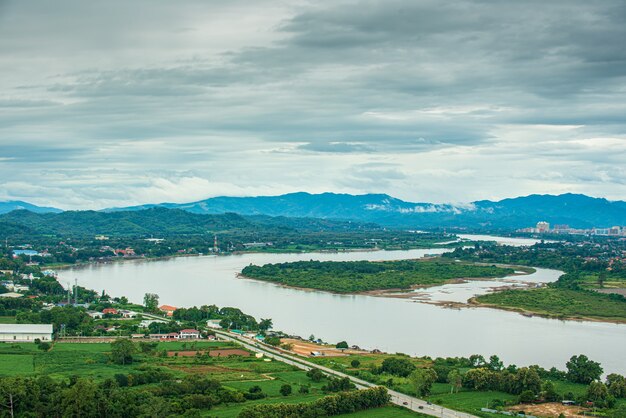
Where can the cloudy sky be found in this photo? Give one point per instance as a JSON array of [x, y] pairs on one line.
[[117, 103]]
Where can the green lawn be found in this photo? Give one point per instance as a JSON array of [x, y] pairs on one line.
[[16, 364], [7, 320]]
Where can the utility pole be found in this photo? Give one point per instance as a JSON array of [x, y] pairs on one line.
[[11, 403], [69, 289]]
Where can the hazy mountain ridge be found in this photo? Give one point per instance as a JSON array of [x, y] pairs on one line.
[[11, 205], [576, 210]]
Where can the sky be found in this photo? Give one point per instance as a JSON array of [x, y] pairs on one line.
[[119, 103]]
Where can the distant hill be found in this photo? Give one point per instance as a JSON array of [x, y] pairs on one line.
[[6, 207], [576, 210], [155, 221]]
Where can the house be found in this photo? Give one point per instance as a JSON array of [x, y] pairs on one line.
[[95, 315], [168, 309], [135, 336], [127, 314], [109, 311], [25, 332], [214, 323], [146, 322], [189, 333], [11, 295]]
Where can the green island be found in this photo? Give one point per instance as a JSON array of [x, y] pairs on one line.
[[592, 287], [559, 303], [364, 276]]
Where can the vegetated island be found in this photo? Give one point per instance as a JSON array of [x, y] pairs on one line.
[[590, 290], [370, 276], [558, 303]]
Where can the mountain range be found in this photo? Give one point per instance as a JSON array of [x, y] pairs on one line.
[[575, 210]]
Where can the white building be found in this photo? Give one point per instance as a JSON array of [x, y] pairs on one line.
[[189, 333], [25, 332]]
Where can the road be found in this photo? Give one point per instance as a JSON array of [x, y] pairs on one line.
[[406, 401]]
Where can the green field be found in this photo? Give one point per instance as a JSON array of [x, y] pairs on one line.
[[360, 276], [7, 320], [559, 303], [92, 360]]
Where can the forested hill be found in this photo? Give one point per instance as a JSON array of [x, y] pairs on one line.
[[156, 221], [576, 210]]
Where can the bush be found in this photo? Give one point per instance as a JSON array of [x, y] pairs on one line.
[[285, 390], [398, 366], [527, 396], [342, 345], [355, 363]]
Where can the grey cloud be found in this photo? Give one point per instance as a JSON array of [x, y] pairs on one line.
[[208, 85]]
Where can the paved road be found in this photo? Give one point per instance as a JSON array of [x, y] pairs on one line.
[[397, 398]]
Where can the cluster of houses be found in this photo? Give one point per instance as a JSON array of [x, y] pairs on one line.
[[122, 313], [14, 290]]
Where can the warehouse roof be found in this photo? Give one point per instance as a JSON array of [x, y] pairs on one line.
[[25, 328]]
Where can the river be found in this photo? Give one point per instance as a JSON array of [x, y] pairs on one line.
[[389, 324]]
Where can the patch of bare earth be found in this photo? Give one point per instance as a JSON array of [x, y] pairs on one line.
[[305, 348], [618, 291], [550, 410]]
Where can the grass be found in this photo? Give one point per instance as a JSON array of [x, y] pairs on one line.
[[560, 303], [563, 387], [7, 320], [16, 364], [385, 412]]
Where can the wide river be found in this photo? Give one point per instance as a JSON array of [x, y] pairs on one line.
[[389, 324]]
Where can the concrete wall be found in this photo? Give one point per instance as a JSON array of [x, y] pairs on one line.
[[17, 338]]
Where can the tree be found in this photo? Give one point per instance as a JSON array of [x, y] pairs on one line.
[[398, 366], [315, 375], [265, 325], [582, 370], [598, 393], [422, 380], [495, 363], [477, 360], [526, 378], [122, 351], [342, 344], [285, 390], [151, 301], [549, 392], [355, 363], [601, 278], [617, 385], [455, 379], [275, 341]]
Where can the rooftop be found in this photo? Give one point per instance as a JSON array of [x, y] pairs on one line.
[[26, 328]]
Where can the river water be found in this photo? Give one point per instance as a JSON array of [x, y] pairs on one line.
[[389, 324]]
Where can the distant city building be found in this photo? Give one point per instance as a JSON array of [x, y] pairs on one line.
[[543, 227]]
